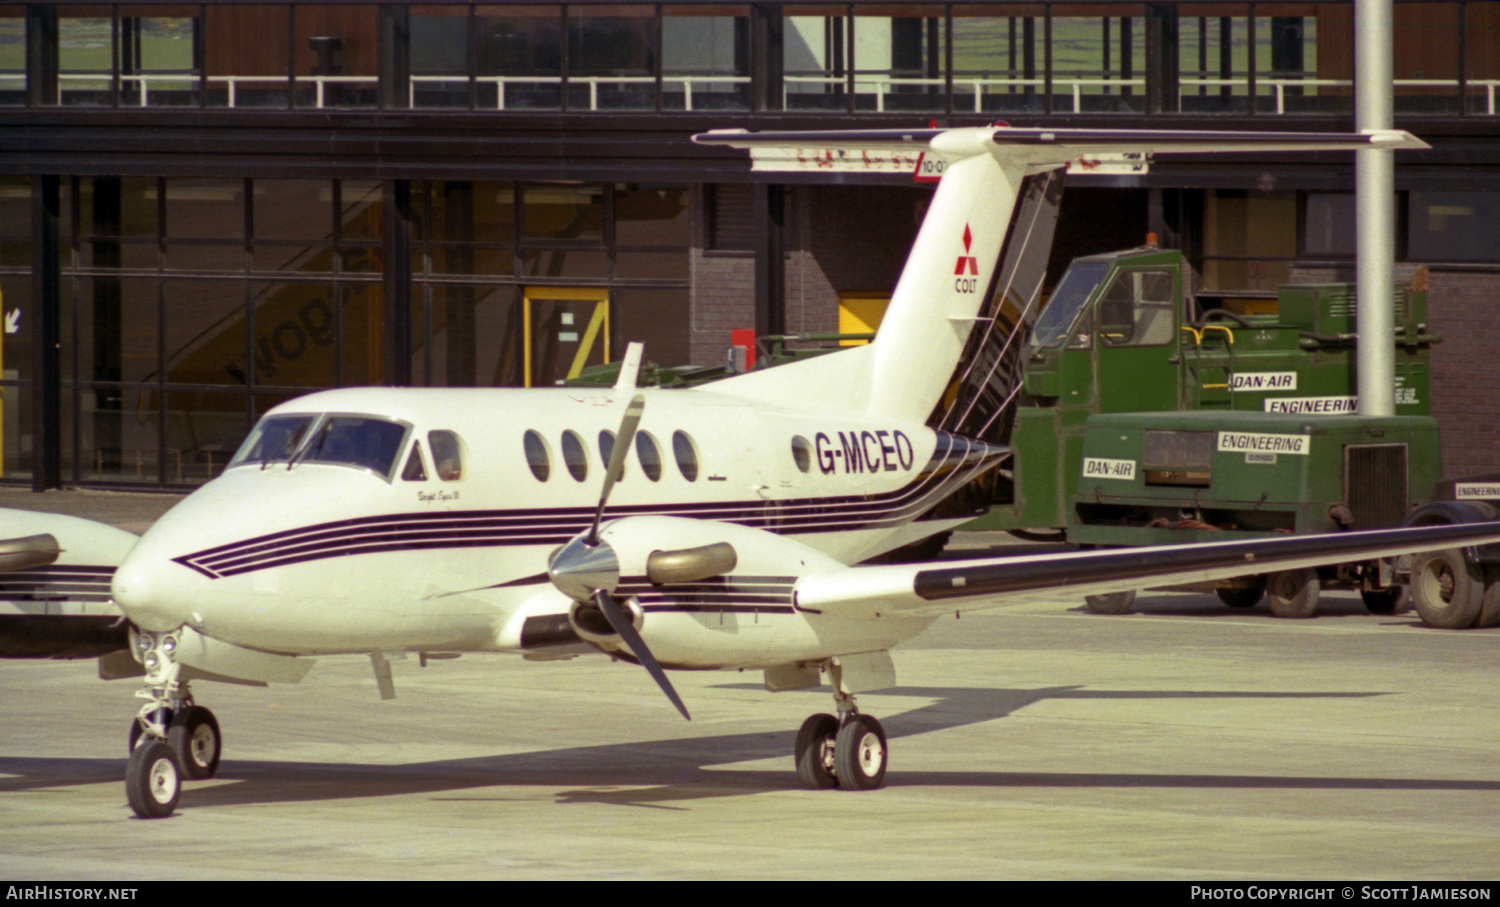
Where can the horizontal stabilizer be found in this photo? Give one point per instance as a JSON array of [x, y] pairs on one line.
[[900, 150]]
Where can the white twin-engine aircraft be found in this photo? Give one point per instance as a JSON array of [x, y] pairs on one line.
[[710, 527]]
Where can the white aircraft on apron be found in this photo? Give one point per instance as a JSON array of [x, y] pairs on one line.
[[719, 526]]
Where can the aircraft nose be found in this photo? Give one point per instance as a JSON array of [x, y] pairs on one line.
[[145, 594]]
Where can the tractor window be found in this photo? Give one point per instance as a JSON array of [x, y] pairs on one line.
[[1136, 309], [1055, 325]]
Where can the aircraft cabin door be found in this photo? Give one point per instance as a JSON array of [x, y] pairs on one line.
[[566, 330]]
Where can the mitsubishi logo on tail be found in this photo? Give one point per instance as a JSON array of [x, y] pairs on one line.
[[967, 265]]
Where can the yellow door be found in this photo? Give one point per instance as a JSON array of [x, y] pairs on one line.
[[566, 330]]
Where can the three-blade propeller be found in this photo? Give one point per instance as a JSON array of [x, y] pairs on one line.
[[587, 570]]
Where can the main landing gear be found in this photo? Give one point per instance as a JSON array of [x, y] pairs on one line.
[[848, 751], [170, 738]]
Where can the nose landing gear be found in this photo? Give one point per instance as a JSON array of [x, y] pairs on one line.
[[171, 737]]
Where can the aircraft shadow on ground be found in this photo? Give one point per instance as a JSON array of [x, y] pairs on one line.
[[656, 774]]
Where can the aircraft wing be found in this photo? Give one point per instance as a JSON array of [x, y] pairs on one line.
[[935, 588]]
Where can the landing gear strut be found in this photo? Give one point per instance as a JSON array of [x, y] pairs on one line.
[[848, 751], [171, 738]]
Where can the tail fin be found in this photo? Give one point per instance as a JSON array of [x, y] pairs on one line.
[[954, 265]]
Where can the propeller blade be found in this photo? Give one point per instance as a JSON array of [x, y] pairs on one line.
[[626, 629], [623, 439]]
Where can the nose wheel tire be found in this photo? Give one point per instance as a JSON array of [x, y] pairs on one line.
[[194, 737], [814, 752], [153, 780], [860, 754]]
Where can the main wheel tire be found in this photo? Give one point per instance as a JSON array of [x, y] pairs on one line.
[[195, 737], [153, 780], [860, 754], [1390, 600], [1293, 593], [1241, 596], [1447, 590], [816, 742], [1110, 602]]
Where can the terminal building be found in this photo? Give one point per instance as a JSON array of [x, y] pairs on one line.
[[209, 208]]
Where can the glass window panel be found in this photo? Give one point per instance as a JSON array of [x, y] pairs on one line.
[[538, 455], [590, 264], [1328, 226], [440, 56], [659, 318], [815, 58], [564, 212], [293, 209], [519, 57], [447, 455], [246, 54], [204, 429], [361, 206], [686, 454], [899, 61], [335, 55], [116, 322], [12, 56], [705, 58], [649, 453], [205, 331], [156, 57], [362, 342], [118, 207], [1249, 239], [1425, 57], [612, 58], [652, 216], [998, 60], [295, 328], [16, 420], [469, 337], [1454, 226], [117, 436], [575, 455], [1482, 57], [1098, 62], [205, 208], [192, 256], [85, 55], [15, 208], [15, 347]]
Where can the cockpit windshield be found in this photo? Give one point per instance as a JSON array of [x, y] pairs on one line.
[[1077, 285], [363, 442], [275, 439]]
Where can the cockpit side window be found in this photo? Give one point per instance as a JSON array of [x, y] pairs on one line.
[[447, 455], [414, 471]]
